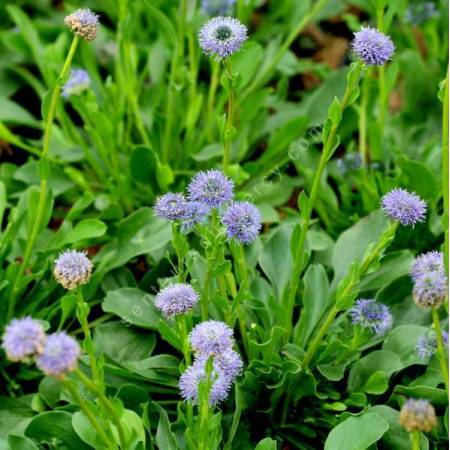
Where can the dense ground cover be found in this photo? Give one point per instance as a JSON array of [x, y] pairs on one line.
[[224, 233]]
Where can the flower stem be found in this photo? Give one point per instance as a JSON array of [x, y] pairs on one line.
[[363, 118], [349, 290], [40, 208], [327, 152], [440, 348], [228, 132], [89, 414], [445, 164], [415, 440], [82, 315], [106, 404], [204, 409]]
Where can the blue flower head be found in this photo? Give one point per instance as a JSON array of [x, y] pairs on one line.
[[406, 207], [60, 355], [211, 187], [78, 82], [417, 415], [23, 339], [373, 47], [242, 221], [211, 338], [371, 315], [431, 289], [72, 269], [171, 206], [426, 345], [176, 299], [84, 23], [222, 36], [425, 263]]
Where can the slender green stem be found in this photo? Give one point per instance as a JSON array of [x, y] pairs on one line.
[[40, 208], [349, 288], [315, 343], [440, 348], [204, 409], [204, 300], [214, 83], [82, 315], [182, 327], [299, 251], [239, 258], [363, 117], [445, 164], [89, 414], [106, 404], [227, 139], [415, 440]]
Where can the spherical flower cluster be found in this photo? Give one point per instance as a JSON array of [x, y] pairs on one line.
[[217, 7], [78, 82], [190, 380], [83, 23], [242, 221], [176, 299], [72, 269], [196, 212], [427, 262], [211, 338], [406, 207], [418, 415], [431, 289], [226, 367], [212, 188], [23, 339], [60, 355], [372, 46], [171, 206], [371, 315], [222, 36], [426, 345]]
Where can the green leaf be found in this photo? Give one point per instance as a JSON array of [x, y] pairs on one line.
[[266, 444], [52, 425], [396, 437], [377, 361], [85, 430], [334, 112], [402, 341], [357, 433], [13, 113], [247, 61], [393, 266], [139, 233], [123, 344], [86, 229], [315, 303], [352, 243], [276, 260], [143, 165], [20, 443], [434, 395], [133, 306], [165, 439]]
